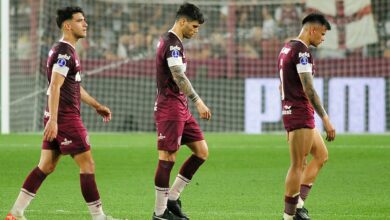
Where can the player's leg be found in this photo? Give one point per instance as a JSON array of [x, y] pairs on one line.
[[88, 184], [75, 141], [189, 168], [300, 142], [161, 181], [169, 136], [319, 154], [193, 138], [47, 164]]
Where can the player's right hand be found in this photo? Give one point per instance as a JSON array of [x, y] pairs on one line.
[[330, 130], [50, 131], [203, 110]]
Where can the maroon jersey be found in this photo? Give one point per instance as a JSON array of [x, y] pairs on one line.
[[64, 60], [171, 103], [295, 58]]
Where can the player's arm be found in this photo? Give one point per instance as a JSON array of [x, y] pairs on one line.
[[308, 87], [51, 128], [185, 86], [102, 110]]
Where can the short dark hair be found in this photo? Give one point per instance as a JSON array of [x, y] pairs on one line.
[[191, 12], [316, 18], [66, 13]]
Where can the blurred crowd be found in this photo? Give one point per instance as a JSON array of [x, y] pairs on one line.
[[132, 30]]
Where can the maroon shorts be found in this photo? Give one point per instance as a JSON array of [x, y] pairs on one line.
[[172, 134], [301, 121], [72, 138]]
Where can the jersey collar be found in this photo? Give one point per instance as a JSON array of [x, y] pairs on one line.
[[297, 39], [171, 31], [66, 42]]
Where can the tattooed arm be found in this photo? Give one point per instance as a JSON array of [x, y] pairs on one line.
[[184, 83], [307, 84], [308, 87], [185, 86]]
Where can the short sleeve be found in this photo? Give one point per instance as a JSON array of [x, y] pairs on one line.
[[174, 55], [62, 61], [303, 61]]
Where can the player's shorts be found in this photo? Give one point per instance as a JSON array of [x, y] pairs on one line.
[[172, 134], [72, 138], [298, 120]]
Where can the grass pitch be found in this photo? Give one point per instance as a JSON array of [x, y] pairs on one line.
[[243, 178]]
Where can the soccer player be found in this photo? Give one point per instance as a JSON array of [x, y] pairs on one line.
[[299, 101], [174, 122], [64, 132]]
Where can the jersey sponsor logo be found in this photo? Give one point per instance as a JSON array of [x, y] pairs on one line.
[[305, 54], [66, 142], [286, 110], [161, 137], [63, 56], [175, 53], [78, 77], [61, 62], [174, 47], [285, 50], [155, 106]]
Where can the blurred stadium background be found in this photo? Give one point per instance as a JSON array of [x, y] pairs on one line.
[[232, 62]]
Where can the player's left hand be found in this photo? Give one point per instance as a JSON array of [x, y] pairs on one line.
[[105, 112], [330, 130], [203, 110]]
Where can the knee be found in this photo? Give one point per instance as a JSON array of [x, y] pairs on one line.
[[88, 167], [203, 154], [298, 165], [323, 160], [47, 168], [167, 156]]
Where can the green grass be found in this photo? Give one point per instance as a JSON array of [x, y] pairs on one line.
[[243, 178]]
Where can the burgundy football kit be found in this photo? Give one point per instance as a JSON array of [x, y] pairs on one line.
[[72, 137], [174, 122]]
